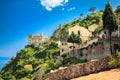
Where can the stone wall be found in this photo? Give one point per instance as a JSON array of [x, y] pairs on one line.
[[78, 70], [94, 51]]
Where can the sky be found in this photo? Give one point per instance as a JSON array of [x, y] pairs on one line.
[[18, 18]]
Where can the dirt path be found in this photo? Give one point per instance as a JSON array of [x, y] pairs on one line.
[[113, 74]]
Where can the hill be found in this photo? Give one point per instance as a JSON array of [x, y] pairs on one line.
[[30, 59], [61, 33]]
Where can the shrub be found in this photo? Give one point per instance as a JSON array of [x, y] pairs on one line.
[[28, 68], [115, 61]]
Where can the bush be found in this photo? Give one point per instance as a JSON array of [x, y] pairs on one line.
[[28, 68], [115, 61]]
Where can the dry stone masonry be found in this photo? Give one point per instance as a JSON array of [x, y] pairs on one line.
[[78, 70]]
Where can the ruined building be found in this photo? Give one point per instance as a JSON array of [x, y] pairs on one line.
[[118, 19], [37, 40]]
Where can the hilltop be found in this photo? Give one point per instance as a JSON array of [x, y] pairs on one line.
[[61, 33]]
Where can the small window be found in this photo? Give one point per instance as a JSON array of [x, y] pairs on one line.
[[62, 50], [105, 32], [78, 32], [65, 43], [62, 44], [70, 47]]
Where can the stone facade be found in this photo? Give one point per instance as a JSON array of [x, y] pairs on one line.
[[93, 27], [37, 40], [94, 51], [82, 32], [78, 70], [66, 47], [118, 19]]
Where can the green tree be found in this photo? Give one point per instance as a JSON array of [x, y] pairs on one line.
[[81, 14], [73, 38], [118, 9], [109, 21], [92, 9]]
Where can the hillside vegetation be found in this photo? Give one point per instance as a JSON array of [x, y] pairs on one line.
[[61, 33], [31, 60]]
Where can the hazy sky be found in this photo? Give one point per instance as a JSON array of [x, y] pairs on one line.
[[18, 18]]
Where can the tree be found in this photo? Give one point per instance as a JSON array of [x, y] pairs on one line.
[[109, 21], [92, 9], [81, 14], [118, 9], [73, 38]]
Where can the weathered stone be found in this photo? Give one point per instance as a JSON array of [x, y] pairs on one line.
[[78, 70]]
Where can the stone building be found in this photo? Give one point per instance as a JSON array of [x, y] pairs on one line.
[[37, 40], [118, 19], [84, 33]]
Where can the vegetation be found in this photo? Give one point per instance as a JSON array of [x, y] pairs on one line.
[[109, 21], [33, 62], [115, 62], [32, 59], [61, 33], [73, 38], [118, 9], [92, 9], [28, 60]]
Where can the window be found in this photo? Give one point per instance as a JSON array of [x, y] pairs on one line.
[[65, 43], [119, 21], [62, 50], [70, 47], [62, 43], [78, 32]]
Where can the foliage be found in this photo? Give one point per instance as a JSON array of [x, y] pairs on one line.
[[115, 61], [73, 38], [109, 21], [92, 9], [28, 60], [24, 78], [28, 68], [61, 33], [118, 9]]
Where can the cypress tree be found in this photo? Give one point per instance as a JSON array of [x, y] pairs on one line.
[[109, 21]]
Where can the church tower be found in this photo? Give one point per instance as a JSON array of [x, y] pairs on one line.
[[118, 19]]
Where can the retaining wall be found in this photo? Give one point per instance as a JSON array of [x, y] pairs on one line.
[[78, 70]]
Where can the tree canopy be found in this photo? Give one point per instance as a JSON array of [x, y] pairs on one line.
[[73, 38], [109, 19]]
